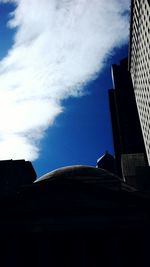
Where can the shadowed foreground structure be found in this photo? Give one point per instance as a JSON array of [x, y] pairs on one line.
[[75, 216]]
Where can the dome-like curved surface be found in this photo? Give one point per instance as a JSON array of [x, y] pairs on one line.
[[79, 172]]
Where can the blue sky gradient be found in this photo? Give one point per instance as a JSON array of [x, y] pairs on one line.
[[82, 133], [76, 127], [5, 32]]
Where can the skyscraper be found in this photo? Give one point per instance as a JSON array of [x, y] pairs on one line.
[[139, 64], [127, 135], [130, 101]]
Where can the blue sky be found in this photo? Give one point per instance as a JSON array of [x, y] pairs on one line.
[[55, 72], [82, 133]]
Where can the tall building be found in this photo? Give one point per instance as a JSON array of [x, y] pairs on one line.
[[130, 101], [139, 64], [127, 134]]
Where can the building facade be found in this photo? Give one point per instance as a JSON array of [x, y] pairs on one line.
[[126, 129], [75, 216], [139, 64]]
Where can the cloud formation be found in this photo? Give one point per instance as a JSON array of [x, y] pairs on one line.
[[58, 47]]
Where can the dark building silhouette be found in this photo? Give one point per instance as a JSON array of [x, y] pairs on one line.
[[126, 129], [15, 173], [107, 162], [75, 216]]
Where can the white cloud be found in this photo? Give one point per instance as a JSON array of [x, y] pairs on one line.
[[58, 47]]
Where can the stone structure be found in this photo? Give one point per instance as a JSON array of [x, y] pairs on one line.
[[75, 216]]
